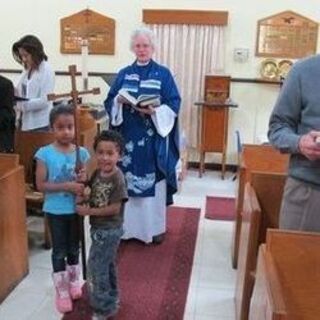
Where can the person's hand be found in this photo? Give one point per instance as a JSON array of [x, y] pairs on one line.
[[149, 110], [75, 187], [83, 210], [309, 145], [122, 100]]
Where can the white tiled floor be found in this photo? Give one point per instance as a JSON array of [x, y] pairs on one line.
[[211, 289]]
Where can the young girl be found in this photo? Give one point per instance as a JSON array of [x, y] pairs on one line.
[[56, 177], [106, 206]]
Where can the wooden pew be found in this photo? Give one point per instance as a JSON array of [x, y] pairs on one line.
[[262, 158], [268, 188], [13, 227], [26, 145], [251, 219], [8, 160], [288, 278]]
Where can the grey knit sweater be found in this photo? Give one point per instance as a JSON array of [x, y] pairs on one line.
[[297, 111]]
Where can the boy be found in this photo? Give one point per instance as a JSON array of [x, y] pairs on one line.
[[105, 209]]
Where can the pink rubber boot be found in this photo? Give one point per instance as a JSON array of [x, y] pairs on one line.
[[61, 283], [74, 281]]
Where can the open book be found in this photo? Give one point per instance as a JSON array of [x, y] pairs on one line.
[[142, 101]]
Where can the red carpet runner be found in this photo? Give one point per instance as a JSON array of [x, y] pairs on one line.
[[220, 208], [154, 280]]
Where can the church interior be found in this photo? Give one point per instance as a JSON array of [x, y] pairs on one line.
[[224, 256]]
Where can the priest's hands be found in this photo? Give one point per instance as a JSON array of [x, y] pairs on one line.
[[122, 100], [149, 110]]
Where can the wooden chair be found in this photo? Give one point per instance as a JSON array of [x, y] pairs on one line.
[[251, 220], [13, 230]]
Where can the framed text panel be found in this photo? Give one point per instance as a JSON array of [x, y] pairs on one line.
[[96, 28], [286, 35]]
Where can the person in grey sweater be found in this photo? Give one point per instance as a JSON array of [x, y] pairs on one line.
[[294, 128]]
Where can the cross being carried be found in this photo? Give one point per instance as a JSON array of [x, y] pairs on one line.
[[75, 94]]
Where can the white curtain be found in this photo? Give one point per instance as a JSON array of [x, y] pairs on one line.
[[190, 52]]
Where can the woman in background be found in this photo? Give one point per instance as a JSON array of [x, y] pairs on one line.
[[151, 139], [36, 82]]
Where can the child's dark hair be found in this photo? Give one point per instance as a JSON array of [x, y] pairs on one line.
[[110, 135], [33, 46], [61, 109]]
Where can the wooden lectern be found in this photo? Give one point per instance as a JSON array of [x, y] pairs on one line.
[[214, 119]]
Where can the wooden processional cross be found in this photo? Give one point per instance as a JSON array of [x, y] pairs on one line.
[[75, 94]]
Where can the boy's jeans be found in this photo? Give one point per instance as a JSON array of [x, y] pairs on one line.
[[102, 273]]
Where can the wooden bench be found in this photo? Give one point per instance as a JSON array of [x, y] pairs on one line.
[[263, 158], [8, 160], [13, 227], [251, 220], [288, 278], [268, 188]]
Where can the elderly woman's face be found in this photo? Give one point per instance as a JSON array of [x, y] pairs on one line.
[[142, 48]]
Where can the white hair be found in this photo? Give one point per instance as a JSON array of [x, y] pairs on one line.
[[144, 32]]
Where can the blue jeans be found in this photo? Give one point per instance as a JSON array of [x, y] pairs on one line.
[[102, 273], [64, 229]]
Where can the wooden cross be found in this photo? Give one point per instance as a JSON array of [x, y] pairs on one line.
[[75, 94]]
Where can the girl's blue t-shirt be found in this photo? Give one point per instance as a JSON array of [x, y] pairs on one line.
[[60, 168]]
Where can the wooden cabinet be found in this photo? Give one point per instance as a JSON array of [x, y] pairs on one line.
[[287, 279], [214, 119]]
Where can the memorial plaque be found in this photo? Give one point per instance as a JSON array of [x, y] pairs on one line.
[[286, 35], [94, 27]]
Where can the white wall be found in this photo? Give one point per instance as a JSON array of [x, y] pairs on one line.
[[41, 17]]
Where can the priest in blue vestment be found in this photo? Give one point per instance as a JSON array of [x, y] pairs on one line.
[[152, 139]]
